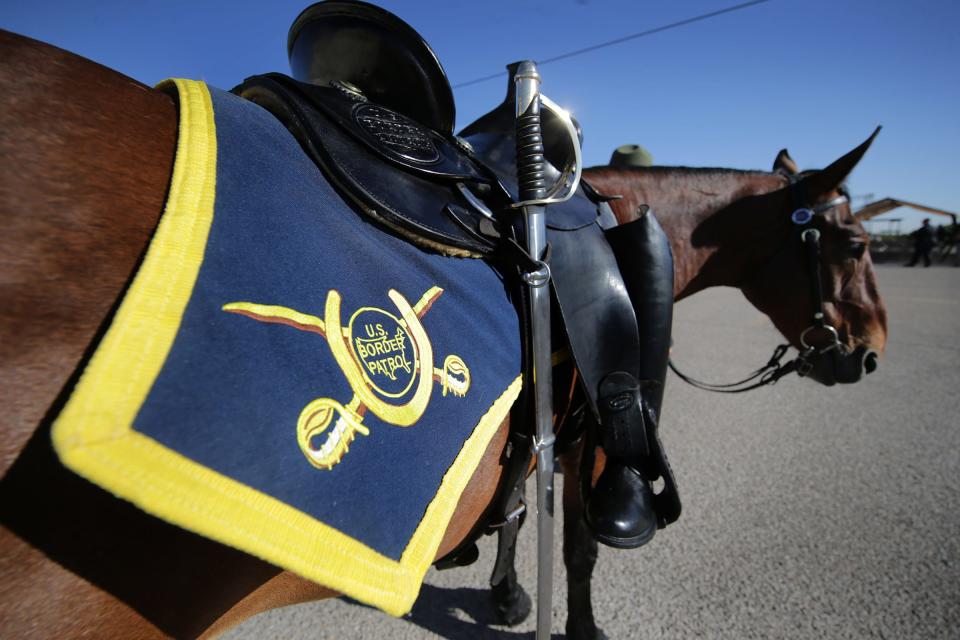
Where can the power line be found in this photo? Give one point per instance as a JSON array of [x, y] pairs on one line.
[[634, 36]]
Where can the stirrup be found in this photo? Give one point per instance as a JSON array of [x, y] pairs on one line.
[[620, 509]]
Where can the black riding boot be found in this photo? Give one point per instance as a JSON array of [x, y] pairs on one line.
[[622, 509]]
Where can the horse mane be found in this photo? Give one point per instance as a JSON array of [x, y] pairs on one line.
[[705, 173], [682, 170]]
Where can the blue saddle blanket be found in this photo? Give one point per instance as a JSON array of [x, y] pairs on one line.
[[285, 377]]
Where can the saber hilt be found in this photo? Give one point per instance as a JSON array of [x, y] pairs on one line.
[[530, 161], [531, 180]]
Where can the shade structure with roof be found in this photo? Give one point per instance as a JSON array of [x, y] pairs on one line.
[[889, 204], [890, 245]]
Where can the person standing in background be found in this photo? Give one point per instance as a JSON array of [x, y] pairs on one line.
[[953, 242], [922, 244]]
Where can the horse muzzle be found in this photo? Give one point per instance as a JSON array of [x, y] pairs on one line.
[[840, 365]]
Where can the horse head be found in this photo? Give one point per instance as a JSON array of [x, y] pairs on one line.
[[819, 288]]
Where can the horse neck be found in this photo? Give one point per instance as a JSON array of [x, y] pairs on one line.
[[719, 224]]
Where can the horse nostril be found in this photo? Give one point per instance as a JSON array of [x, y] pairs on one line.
[[870, 362]]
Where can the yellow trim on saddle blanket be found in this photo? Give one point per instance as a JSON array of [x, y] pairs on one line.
[[94, 435]]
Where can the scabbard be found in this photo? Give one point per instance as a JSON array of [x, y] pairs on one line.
[[532, 186]]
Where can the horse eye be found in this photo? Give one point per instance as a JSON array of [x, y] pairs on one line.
[[856, 249]]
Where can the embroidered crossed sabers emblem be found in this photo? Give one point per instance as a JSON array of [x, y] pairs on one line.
[[377, 365]]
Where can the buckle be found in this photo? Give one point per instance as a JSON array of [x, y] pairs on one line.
[[623, 428], [510, 517]]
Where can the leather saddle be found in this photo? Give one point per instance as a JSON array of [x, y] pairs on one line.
[[374, 50], [411, 179], [385, 142]]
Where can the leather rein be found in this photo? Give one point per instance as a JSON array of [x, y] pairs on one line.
[[802, 217]]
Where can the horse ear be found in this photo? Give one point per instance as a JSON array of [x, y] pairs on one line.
[[784, 164], [831, 177]]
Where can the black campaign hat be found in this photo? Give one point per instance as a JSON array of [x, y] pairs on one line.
[[374, 50]]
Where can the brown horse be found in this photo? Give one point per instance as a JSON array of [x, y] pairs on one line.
[[87, 157], [734, 228]]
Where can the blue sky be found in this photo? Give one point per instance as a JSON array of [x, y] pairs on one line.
[[815, 77]]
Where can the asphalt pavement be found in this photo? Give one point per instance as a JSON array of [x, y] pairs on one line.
[[809, 512]]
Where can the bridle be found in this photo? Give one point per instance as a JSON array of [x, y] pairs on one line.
[[810, 237], [802, 219]]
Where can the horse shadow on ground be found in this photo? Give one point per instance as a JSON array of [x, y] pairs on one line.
[[442, 611]]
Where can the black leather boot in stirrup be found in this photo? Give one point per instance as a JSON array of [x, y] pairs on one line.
[[622, 508]]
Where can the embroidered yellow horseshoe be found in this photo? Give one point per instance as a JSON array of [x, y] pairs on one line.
[[381, 353]]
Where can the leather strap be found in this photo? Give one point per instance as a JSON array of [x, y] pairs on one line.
[[510, 509], [599, 318]]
